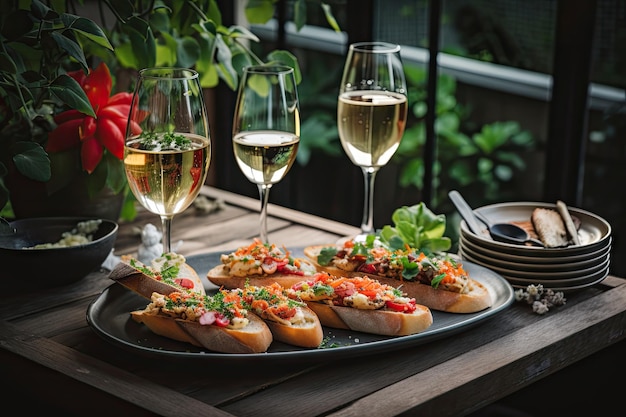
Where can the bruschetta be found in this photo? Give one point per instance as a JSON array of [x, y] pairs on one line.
[[260, 264], [437, 281], [218, 323], [290, 320], [362, 304], [166, 274]]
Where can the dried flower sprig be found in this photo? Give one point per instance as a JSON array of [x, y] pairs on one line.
[[541, 299]]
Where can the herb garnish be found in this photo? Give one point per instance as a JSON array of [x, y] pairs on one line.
[[164, 141]]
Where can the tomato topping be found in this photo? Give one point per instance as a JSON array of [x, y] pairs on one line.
[[184, 282], [221, 320], [402, 307], [368, 269]]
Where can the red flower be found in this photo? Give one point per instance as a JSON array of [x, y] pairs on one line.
[[93, 135]]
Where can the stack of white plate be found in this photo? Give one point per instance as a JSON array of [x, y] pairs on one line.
[[561, 269]]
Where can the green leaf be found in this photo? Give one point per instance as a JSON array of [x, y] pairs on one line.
[[330, 18], [129, 209], [71, 47], [166, 51], [188, 52], [326, 254], [286, 58], [299, 13], [142, 43], [205, 66], [41, 11], [243, 33], [32, 161], [225, 67], [66, 89], [259, 11], [116, 178], [418, 227], [87, 28], [259, 84]]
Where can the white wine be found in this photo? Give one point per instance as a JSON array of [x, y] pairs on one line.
[[265, 156], [371, 125], [166, 174]]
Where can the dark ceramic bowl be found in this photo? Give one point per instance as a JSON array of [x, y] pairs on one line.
[[51, 267]]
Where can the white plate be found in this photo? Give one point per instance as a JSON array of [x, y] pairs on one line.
[[525, 274], [560, 283], [548, 262], [599, 279], [554, 284], [529, 266], [593, 233]]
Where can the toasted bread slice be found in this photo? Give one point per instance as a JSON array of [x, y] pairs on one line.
[[219, 275], [144, 280], [550, 228], [387, 323], [254, 338], [476, 296]]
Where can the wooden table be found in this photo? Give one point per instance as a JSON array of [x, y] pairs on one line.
[[52, 356]]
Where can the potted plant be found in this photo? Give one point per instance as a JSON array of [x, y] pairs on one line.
[[41, 50]]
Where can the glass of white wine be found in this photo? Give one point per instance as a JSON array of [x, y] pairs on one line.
[[167, 150], [371, 112], [266, 128]]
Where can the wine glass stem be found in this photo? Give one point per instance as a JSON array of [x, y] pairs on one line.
[[166, 223], [264, 194], [369, 176]]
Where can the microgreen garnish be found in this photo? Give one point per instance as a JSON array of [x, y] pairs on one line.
[[164, 141]]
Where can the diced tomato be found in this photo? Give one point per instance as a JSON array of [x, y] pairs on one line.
[[402, 307], [283, 311], [368, 269], [184, 282], [221, 320]]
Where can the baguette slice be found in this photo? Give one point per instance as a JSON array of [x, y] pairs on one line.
[[362, 304], [308, 334], [477, 297], [144, 280], [254, 338], [290, 320], [473, 298], [259, 264], [382, 322], [550, 227], [219, 275]]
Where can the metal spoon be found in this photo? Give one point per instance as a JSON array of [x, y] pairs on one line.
[[465, 211], [502, 232], [508, 232]]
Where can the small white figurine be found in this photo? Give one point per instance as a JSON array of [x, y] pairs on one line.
[[151, 246]]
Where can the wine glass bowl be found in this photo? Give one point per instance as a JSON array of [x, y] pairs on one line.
[[371, 112], [266, 129], [167, 150]]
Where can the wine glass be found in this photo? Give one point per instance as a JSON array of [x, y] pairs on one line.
[[371, 113], [167, 149], [266, 128]]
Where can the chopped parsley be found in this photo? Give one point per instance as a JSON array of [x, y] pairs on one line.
[[150, 141], [144, 269]]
